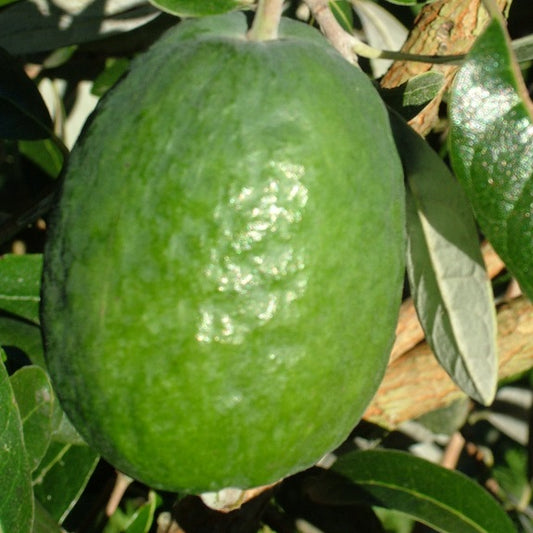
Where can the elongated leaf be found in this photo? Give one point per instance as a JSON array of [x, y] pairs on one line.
[[35, 400], [450, 287], [382, 30], [443, 499], [193, 8], [41, 25], [24, 114], [61, 477], [16, 502], [20, 282], [491, 148]]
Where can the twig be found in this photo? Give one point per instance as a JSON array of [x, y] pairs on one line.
[[266, 20]]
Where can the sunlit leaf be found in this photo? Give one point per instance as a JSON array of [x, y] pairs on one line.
[[382, 30], [16, 502], [193, 8], [491, 148], [443, 499], [450, 287], [35, 399]]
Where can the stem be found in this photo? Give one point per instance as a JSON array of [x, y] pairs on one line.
[[266, 20], [350, 46]]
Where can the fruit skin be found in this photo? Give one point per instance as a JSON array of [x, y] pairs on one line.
[[223, 271]]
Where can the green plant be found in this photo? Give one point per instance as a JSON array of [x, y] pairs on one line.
[[469, 179]]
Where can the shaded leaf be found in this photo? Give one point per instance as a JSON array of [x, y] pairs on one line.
[[143, 518], [61, 477], [382, 30], [343, 11], [42, 25], [445, 500], [523, 48], [448, 281], [491, 148], [35, 399], [20, 283], [16, 502], [24, 114], [22, 342]]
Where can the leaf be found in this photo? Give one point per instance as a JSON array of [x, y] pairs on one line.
[[143, 518], [43, 522], [443, 499], [342, 9], [412, 96], [448, 281], [114, 69], [24, 113], [61, 477], [41, 25], [193, 8], [21, 341], [16, 503], [382, 30], [523, 48], [410, 2], [35, 399], [491, 148], [45, 154], [20, 283]]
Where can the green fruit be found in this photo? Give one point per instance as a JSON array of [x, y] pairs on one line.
[[224, 268], [200, 8]]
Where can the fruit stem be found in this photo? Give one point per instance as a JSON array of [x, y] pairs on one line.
[[266, 20]]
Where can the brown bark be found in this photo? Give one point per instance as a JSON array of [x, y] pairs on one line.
[[445, 27], [415, 383]]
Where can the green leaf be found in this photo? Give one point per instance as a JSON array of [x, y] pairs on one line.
[[35, 399], [16, 502], [20, 283], [61, 477], [143, 518], [445, 500], [43, 522], [491, 148], [21, 341], [45, 154], [412, 96], [114, 69], [193, 8], [24, 113], [448, 281], [343, 11]]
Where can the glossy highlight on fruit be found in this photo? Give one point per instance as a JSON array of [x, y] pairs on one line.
[[224, 267]]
